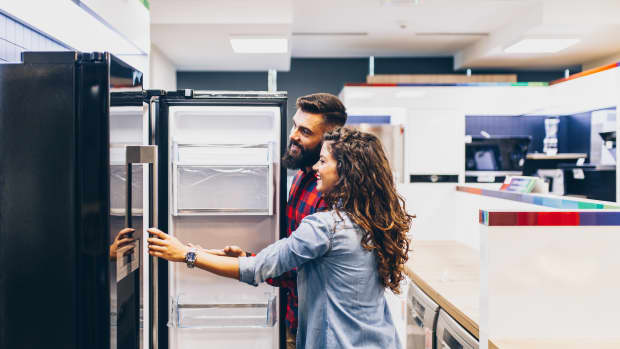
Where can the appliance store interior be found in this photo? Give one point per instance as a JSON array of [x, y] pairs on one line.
[[498, 119]]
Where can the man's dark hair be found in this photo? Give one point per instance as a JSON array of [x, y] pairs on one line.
[[326, 104]]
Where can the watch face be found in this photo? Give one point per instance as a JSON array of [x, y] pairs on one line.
[[190, 258]]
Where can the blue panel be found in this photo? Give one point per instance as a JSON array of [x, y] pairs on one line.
[[599, 218], [369, 119]]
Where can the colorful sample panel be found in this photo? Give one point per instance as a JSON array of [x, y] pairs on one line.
[[553, 202], [486, 84], [597, 218]]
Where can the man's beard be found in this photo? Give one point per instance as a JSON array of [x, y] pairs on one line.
[[305, 158]]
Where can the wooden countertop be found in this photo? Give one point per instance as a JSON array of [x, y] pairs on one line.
[[557, 344], [449, 272]]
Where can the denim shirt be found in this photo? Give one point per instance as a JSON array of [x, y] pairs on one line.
[[341, 301]]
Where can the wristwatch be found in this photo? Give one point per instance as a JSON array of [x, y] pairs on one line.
[[190, 257]]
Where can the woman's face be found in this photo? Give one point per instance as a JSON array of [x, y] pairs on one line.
[[326, 169]]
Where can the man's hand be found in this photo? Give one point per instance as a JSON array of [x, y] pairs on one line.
[[234, 251], [229, 251], [165, 246]]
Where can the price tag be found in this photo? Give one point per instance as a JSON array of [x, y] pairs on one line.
[[581, 161]]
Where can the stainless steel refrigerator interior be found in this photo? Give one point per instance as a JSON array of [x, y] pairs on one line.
[[64, 283], [225, 186]]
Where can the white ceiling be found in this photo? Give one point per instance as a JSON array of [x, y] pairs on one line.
[[195, 34]]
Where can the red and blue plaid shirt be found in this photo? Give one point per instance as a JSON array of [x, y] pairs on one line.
[[303, 200]]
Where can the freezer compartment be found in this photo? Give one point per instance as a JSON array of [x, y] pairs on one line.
[[223, 190], [257, 313]]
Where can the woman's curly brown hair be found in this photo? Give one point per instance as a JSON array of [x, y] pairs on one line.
[[365, 191]]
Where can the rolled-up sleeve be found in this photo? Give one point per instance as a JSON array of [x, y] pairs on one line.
[[311, 240]]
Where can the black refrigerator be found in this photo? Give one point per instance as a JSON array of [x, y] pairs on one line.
[[75, 167]]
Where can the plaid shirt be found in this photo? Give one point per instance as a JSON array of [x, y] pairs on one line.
[[303, 200]]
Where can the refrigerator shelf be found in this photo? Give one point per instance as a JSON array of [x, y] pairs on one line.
[[222, 154], [260, 314]]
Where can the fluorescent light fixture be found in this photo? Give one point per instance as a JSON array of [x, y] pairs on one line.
[[77, 28], [540, 45], [410, 94], [259, 45]]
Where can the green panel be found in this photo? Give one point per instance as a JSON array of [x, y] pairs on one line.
[[146, 4], [589, 206]]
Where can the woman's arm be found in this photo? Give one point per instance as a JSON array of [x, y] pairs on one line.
[[170, 248], [311, 240]]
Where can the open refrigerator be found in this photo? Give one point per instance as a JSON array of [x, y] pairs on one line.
[[221, 183]]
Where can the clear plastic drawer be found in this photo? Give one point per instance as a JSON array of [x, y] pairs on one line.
[[261, 313], [219, 190]]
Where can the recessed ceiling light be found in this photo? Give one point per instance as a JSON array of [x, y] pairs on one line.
[[259, 45], [540, 45]]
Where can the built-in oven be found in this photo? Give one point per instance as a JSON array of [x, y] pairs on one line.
[[421, 318], [451, 335]]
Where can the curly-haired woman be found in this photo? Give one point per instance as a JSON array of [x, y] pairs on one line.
[[346, 257]]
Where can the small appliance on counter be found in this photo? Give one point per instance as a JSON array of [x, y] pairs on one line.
[[608, 151], [491, 159], [550, 143]]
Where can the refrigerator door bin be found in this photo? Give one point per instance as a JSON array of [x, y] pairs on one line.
[[259, 314], [118, 183], [223, 190]]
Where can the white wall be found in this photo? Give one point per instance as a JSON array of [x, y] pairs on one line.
[[120, 27], [163, 74], [602, 61]]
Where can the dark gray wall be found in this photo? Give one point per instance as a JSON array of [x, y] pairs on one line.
[[16, 37]]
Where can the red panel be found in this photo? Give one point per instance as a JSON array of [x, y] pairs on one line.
[[558, 218], [371, 85], [527, 218], [502, 218]]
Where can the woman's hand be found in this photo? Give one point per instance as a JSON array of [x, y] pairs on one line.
[[122, 239], [165, 246]]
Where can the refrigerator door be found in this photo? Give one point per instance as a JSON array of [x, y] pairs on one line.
[[132, 166], [223, 152], [54, 201]]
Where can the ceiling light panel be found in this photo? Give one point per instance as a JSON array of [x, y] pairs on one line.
[[540, 45], [259, 45]]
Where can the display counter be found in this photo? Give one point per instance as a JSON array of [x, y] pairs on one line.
[[519, 270]]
